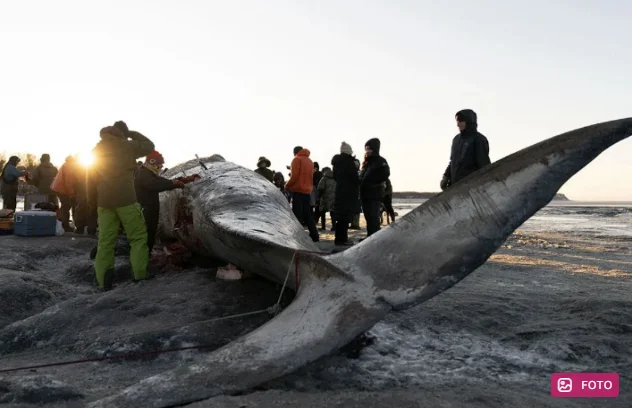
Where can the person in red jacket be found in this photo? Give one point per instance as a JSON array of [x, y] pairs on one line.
[[301, 184]]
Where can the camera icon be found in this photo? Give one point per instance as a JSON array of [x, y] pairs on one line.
[[564, 385]]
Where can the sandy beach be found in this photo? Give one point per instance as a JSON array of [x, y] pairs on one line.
[[547, 301]]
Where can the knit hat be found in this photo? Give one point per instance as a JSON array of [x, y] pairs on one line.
[[374, 144], [122, 126], [346, 148], [154, 158], [264, 160]]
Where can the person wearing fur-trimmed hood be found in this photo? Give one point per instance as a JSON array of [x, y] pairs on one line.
[[263, 168]]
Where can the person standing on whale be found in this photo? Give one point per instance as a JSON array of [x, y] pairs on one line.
[[470, 150]]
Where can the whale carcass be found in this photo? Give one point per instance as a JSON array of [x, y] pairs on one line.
[[234, 214]]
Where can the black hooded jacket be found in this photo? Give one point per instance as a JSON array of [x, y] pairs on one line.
[[374, 173], [347, 183], [470, 150], [148, 186]]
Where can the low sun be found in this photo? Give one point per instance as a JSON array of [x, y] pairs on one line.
[[86, 159]]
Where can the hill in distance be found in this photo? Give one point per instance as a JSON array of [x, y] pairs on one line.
[[421, 195]]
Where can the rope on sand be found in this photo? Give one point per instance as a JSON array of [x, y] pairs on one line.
[[274, 310]]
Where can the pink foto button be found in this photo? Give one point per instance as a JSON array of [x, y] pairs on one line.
[[585, 385]]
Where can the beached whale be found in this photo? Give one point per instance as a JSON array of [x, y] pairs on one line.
[[234, 214]]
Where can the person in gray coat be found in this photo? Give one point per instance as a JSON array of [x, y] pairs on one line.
[[43, 177]]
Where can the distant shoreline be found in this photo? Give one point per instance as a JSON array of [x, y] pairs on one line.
[[421, 195]]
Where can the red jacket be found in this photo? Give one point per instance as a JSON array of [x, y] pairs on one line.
[[301, 174]]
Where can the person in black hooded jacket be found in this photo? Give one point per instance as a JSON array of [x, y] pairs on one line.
[[346, 193], [375, 172], [148, 185], [470, 150]]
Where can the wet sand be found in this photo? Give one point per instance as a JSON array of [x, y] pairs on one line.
[[545, 302]]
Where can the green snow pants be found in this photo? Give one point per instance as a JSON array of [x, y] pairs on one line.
[[110, 219]]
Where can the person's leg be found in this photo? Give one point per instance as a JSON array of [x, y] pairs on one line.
[[151, 219], [323, 219], [52, 198], [355, 221], [388, 203], [307, 217], [73, 209], [333, 220], [65, 211], [297, 207], [104, 260], [372, 216], [81, 215], [136, 231], [10, 201], [92, 220], [342, 231]]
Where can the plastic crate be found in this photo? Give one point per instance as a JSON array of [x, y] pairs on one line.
[[35, 223]]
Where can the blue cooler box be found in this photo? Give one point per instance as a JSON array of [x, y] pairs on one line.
[[35, 223]]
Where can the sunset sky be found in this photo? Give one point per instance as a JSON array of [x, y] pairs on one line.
[[252, 78]]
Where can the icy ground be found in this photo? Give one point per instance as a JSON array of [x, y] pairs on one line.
[[550, 300]]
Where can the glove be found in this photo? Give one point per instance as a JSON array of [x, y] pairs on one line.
[[178, 184], [445, 183]]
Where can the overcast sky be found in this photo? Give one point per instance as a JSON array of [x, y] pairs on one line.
[[251, 78]]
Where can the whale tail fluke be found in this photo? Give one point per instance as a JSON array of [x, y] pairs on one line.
[[449, 236]]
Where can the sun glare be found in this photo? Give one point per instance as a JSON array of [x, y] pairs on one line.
[[86, 159]]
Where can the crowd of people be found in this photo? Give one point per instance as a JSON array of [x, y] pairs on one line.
[[119, 191], [345, 190], [350, 188]]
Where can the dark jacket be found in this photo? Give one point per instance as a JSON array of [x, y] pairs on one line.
[[148, 186], [10, 178], [470, 149], [374, 174], [318, 175], [347, 186], [115, 164], [388, 188], [470, 152], [43, 177], [266, 172]]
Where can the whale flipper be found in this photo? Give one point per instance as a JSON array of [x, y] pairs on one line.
[[323, 317]]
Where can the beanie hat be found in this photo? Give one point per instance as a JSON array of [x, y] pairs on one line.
[[154, 158], [346, 148], [374, 144], [122, 126]]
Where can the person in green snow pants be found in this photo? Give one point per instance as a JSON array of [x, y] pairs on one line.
[[114, 166]]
